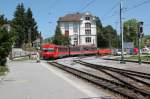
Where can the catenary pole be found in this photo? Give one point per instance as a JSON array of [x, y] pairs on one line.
[[121, 33]]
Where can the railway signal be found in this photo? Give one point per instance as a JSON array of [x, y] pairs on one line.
[[140, 35], [140, 29]]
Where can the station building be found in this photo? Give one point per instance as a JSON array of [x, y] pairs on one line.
[[80, 27]]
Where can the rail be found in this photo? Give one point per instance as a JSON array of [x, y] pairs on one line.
[[105, 83], [123, 76]]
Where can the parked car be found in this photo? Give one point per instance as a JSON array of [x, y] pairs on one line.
[[135, 51], [145, 51], [119, 51]]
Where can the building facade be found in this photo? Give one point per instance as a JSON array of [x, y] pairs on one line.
[[80, 27]]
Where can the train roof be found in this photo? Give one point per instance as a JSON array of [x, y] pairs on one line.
[[54, 45], [48, 45], [51, 45]]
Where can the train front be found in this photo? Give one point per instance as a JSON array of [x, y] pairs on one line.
[[48, 51]]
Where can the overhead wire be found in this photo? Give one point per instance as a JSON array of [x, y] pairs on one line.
[[87, 5], [138, 5], [109, 11]]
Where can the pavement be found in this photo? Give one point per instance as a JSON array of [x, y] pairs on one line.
[[30, 80]]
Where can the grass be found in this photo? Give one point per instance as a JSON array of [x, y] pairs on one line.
[[3, 70], [143, 58]]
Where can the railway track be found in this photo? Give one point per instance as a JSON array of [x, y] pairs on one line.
[[134, 61], [123, 90], [129, 79], [129, 72]]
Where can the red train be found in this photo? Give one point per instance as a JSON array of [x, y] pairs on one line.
[[56, 51], [104, 52]]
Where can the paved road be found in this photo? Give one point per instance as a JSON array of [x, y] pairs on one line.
[[30, 80]]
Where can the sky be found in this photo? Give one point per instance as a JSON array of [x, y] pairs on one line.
[[47, 12]]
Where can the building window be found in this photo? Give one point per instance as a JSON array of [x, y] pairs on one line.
[[75, 39], [87, 18], [88, 39], [88, 25], [88, 32], [66, 25], [75, 43], [66, 32], [75, 28]]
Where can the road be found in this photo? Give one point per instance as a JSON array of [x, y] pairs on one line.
[[31, 80]]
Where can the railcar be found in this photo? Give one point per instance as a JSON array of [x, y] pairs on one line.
[[104, 51], [48, 51], [53, 51], [56, 51], [89, 50]]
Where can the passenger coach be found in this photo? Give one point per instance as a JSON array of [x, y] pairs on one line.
[[56, 51]]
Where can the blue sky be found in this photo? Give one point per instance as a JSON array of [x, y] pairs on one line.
[[47, 12]]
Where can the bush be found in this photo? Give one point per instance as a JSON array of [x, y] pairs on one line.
[[6, 41], [3, 69], [3, 61]]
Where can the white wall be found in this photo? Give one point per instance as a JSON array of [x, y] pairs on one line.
[[81, 31]]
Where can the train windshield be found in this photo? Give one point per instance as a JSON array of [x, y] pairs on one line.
[[48, 49]]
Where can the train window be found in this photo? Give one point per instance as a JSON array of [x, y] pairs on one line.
[[50, 49], [63, 49], [74, 48], [93, 48], [44, 49]]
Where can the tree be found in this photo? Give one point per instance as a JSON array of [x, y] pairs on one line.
[[18, 23], [110, 36], [106, 36], [6, 39], [31, 27], [59, 38], [25, 26], [3, 20], [100, 36], [130, 28]]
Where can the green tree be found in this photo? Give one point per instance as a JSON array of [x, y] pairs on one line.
[[31, 27], [110, 36], [130, 28], [106, 36], [6, 41], [59, 38], [3, 20], [18, 23], [100, 37]]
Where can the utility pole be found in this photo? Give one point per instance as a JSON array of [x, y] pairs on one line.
[[117, 34], [121, 33], [40, 41]]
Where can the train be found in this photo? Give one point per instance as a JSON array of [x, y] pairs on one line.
[[52, 51]]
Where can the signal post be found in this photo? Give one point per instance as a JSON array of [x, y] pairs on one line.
[[140, 35]]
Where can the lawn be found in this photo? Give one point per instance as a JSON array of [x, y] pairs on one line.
[[135, 57]]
